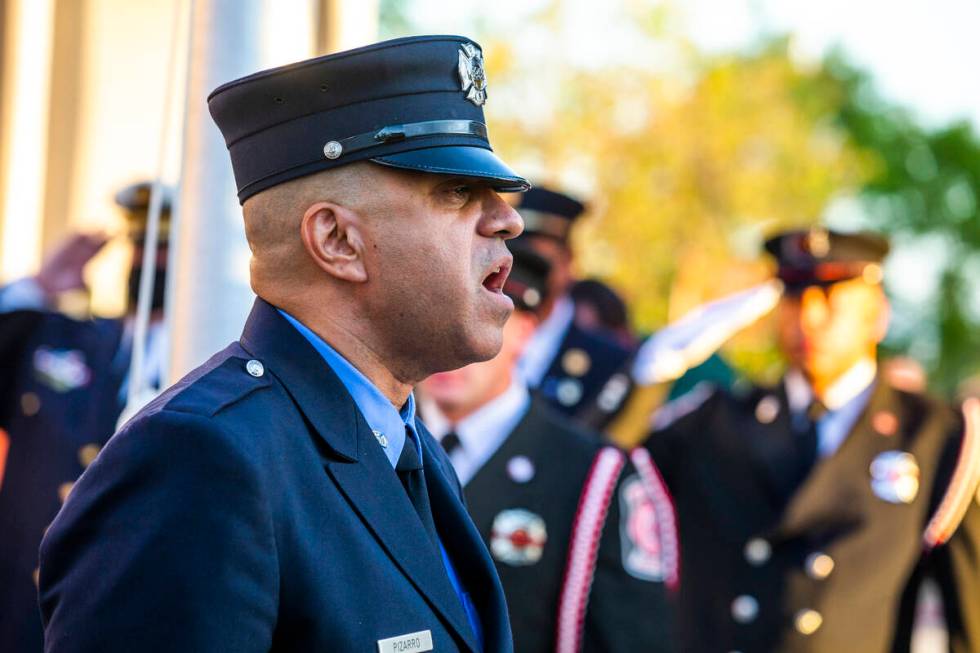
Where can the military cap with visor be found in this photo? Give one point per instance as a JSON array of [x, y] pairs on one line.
[[822, 257], [527, 283], [413, 103], [548, 213]]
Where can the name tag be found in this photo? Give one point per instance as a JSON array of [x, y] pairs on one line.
[[410, 643]]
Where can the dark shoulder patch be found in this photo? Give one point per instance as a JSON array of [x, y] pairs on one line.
[[214, 386]]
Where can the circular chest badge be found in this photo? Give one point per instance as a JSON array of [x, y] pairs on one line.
[[518, 537]]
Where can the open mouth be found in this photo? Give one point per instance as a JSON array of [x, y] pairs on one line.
[[495, 280]]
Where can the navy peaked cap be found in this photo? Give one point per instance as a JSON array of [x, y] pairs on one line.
[[413, 103], [527, 283], [548, 212], [819, 256]]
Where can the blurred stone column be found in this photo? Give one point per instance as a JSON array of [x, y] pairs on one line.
[[26, 44], [208, 293]]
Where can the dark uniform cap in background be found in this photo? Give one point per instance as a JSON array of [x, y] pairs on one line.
[[548, 213], [527, 283], [413, 103], [821, 257], [135, 200]]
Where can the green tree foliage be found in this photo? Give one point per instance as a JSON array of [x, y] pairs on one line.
[[921, 191]]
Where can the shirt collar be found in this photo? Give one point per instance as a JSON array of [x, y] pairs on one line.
[[482, 432], [849, 386], [387, 422], [546, 341]]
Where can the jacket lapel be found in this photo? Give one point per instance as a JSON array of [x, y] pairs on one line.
[[466, 548], [354, 460], [835, 491]]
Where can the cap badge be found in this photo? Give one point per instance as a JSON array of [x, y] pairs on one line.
[[895, 476], [471, 74], [518, 537], [818, 242]]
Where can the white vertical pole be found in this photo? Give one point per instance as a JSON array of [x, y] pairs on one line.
[[208, 294], [29, 44]]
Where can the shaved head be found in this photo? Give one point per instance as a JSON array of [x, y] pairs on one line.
[[272, 224]]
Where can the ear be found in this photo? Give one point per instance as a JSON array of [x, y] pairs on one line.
[[332, 239]]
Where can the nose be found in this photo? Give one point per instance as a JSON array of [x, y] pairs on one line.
[[814, 309], [500, 219]]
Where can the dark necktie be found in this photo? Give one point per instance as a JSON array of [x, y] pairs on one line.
[[807, 440], [451, 442], [409, 469]]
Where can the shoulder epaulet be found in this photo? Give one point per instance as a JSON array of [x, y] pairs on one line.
[[963, 485], [216, 385], [590, 517], [686, 404]]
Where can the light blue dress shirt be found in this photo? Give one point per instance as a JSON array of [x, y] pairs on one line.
[[384, 419]]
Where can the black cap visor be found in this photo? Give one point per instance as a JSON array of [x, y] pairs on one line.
[[462, 160]]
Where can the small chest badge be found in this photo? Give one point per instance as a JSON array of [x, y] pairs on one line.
[[472, 75], [62, 370], [642, 549], [518, 537], [895, 476]]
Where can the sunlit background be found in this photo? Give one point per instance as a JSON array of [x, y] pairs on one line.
[[690, 128]]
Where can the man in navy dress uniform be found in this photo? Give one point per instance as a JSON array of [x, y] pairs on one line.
[[283, 496], [62, 390], [583, 537], [810, 512], [567, 364]]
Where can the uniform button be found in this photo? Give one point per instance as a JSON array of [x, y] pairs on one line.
[[568, 392], [767, 410], [745, 609], [64, 490], [808, 621], [576, 362], [819, 565], [87, 454], [520, 469], [30, 404], [255, 368], [758, 551]]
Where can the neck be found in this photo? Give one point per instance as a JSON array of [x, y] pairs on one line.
[[840, 389], [359, 352], [457, 413]]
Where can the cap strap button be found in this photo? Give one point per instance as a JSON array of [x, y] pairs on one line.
[[333, 150]]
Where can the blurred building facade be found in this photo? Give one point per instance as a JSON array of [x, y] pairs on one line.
[[93, 95]]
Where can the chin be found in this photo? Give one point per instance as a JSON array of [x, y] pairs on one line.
[[484, 345]]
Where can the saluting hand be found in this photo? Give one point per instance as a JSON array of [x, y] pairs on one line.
[[62, 268]]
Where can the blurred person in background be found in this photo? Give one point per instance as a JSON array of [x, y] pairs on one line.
[[63, 388], [583, 539], [600, 308], [564, 362], [810, 512]]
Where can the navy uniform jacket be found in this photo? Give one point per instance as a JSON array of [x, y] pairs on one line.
[[258, 513], [771, 563], [59, 401], [532, 517], [584, 363]]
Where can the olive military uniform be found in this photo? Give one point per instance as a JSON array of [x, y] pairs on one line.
[[776, 560]]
